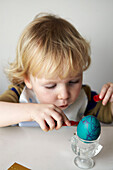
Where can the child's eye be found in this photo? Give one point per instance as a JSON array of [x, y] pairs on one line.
[[74, 82], [50, 86]]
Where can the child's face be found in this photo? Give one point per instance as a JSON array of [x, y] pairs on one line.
[[61, 93]]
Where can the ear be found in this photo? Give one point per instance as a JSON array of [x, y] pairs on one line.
[[28, 83]]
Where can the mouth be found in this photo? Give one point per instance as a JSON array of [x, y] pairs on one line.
[[63, 106]]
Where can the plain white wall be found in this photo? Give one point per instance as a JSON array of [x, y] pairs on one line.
[[92, 18]]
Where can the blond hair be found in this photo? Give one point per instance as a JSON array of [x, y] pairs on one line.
[[49, 47]]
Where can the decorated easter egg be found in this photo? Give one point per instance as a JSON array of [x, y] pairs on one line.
[[89, 128]]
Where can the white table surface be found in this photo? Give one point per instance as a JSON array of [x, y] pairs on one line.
[[38, 150]]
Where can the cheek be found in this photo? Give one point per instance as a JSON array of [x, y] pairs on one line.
[[76, 91], [45, 96]]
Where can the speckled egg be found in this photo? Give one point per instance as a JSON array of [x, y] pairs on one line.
[[89, 128]]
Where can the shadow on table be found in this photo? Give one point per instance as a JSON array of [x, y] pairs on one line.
[[106, 140]]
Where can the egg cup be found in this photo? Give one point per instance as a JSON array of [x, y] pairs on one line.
[[85, 150]]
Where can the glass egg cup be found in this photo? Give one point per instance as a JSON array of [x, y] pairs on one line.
[[85, 150]]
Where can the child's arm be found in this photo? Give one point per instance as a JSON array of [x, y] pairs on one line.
[[44, 114], [12, 113]]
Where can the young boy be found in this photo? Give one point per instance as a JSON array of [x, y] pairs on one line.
[[47, 76]]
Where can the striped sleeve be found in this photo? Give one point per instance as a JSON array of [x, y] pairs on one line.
[[12, 94]]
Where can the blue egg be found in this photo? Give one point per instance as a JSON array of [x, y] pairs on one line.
[[89, 128]]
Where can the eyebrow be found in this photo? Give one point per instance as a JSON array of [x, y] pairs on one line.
[[49, 82], [55, 81]]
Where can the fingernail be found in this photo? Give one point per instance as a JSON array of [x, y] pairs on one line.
[[100, 97], [69, 123], [103, 103]]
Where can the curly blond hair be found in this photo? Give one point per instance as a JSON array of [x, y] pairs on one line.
[[49, 47]]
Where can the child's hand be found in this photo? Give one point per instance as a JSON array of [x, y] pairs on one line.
[[106, 93], [48, 116]]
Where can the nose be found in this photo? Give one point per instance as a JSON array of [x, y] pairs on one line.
[[63, 93]]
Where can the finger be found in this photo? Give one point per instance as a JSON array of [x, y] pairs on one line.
[[50, 122], [59, 124], [57, 109], [43, 125], [58, 119], [54, 117], [111, 99], [107, 96], [64, 120], [103, 91], [59, 116]]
